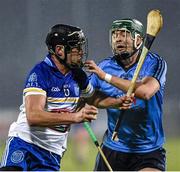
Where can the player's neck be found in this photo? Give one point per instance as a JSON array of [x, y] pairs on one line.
[[63, 69], [131, 61]]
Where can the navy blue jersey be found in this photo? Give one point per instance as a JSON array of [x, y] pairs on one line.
[[62, 94], [141, 128], [61, 90]]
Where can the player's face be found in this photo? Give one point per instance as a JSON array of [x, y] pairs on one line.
[[122, 41], [74, 58]]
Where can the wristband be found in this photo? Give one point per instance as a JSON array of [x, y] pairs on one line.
[[108, 77]]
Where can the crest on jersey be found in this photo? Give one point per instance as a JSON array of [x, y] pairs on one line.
[[32, 77], [76, 89], [32, 80], [17, 156]]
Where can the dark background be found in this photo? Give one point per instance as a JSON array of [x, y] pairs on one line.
[[25, 23]]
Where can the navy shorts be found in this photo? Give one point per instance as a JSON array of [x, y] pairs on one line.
[[120, 161], [29, 157]]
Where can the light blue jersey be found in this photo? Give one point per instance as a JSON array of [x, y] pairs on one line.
[[141, 128]]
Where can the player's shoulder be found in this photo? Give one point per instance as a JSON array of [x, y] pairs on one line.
[[40, 67], [105, 61], [38, 70], [154, 57]]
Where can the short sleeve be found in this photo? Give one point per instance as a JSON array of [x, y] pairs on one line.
[[82, 79], [88, 91], [158, 69], [35, 82]]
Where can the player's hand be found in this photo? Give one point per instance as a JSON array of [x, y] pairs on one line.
[[87, 113], [126, 102], [91, 66]]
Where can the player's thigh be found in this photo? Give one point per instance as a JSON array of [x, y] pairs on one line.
[[152, 161], [100, 164], [149, 169], [117, 160]]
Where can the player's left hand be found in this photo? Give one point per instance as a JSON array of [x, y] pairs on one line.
[[126, 102]]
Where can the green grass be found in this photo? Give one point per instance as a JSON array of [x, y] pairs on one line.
[[85, 162], [173, 154], [79, 158]]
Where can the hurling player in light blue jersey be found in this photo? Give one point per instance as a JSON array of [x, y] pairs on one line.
[[38, 139], [140, 136]]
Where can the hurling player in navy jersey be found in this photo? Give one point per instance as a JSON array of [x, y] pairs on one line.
[[140, 136], [38, 139]]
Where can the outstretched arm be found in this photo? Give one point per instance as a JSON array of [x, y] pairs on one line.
[[97, 98], [144, 89], [101, 100]]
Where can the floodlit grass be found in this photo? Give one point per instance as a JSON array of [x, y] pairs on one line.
[[173, 154], [79, 158], [83, 160]]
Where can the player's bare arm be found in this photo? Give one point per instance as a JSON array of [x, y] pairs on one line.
[[101, 100], [36, 115], [144, 89]]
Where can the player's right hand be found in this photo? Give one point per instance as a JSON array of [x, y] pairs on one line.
[[91, 66], [87, 113]]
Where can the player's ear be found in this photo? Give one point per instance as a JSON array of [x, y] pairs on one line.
[[139, 40]]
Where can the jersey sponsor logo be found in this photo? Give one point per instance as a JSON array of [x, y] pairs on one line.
[[17, 156], [32, 84], [55, 89]]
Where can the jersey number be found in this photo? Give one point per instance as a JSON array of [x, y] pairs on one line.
[[66, 92]]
